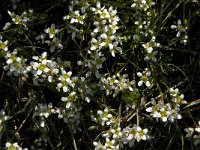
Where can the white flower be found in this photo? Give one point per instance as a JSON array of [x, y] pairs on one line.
[[99, 146], [189, 131], [176, 96], [105, 117], [13, 146], [6, 26], [4, 45], [110, 144], [144, 78], [52, 31], [65, 81], [141, 134]]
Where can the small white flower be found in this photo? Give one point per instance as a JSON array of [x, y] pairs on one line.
[[144, 78], [52, 31], [147, 84], [4, 45]]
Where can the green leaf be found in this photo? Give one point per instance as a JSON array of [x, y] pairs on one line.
[[131, 97]]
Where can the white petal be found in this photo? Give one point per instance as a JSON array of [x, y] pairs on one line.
[[148, 84], [149, 50], [139, 74], [149, 109], [9, 61], [140, 83], [65, 89]]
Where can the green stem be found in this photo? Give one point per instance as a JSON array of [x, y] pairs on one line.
[[74, 141]]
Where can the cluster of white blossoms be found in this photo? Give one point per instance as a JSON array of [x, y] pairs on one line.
[[144, 77], [70, 99], [43, 68], [104, 34], [95, 64], [14, 146], [115, 84], [71, 115], [142, 4], [167, 111], [23, 19], [150, 52], [134, 133], [116, 138], [102, 37], [142, 24], [43, 111], [103, 117], [181, 30], [65, 81], [194, 133], [15, 65], [74, 87], [177, 97], [54, 42], [164, 111], [76, 16]]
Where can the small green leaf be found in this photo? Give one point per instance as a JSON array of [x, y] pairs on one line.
[[131, 97]]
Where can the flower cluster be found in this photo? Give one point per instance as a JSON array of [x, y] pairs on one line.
[[135, 133], [143, 24], [194, 133], [75, 17], [71, 115], [16, 65], [115, 84], [142, 4], [116, 138], [23, 19], [43, 68], [103, 35], [14, 146], [54, 41], [95, 64], [149, 50], [43, 111], [104, 117], [74, 60], [177, 97], [65, 81], [166, 112], [181, 30]]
